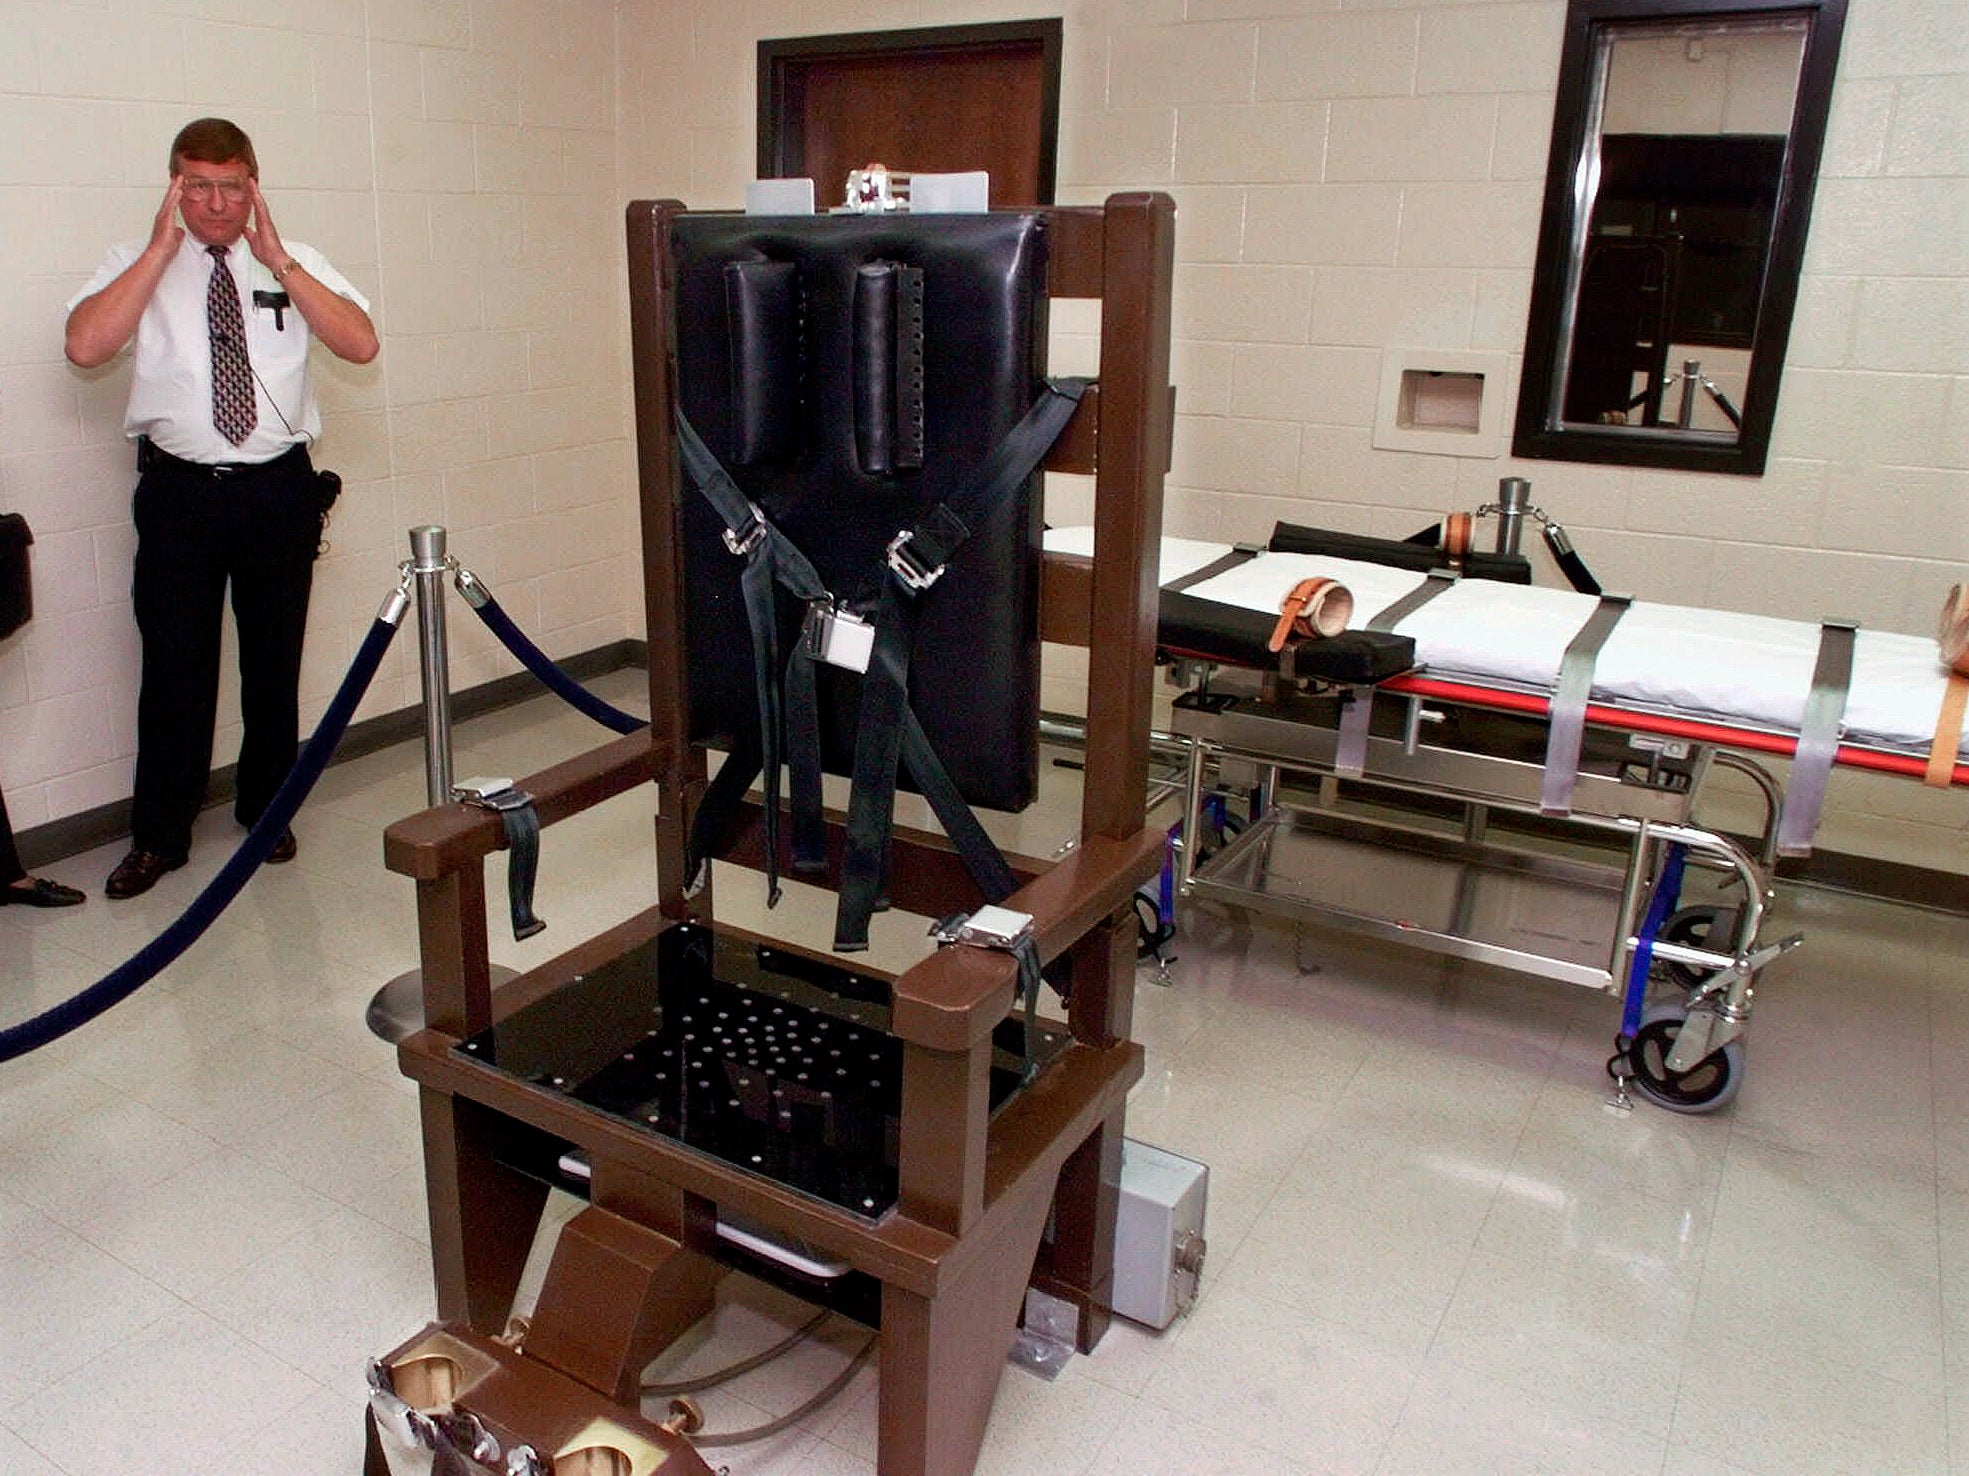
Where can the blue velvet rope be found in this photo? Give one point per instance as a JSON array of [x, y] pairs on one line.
[[163, 950], [556, 680]]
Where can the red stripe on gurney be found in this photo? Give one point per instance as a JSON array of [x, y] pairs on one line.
[[1642, 722]]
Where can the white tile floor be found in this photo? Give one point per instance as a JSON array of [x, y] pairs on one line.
[[1433, 1248]]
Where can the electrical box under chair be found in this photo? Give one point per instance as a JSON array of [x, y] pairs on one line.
[[1158, 1235]]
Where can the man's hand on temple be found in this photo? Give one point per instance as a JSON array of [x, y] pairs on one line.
[[260, 233], [166, 231]]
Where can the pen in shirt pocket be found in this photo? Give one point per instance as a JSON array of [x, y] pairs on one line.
[[279, 302]]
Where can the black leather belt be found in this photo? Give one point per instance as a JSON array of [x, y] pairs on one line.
[[150, 459]]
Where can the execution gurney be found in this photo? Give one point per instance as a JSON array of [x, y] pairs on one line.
[[1521, 792]]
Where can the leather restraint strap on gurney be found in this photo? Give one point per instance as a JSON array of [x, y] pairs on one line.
[[1953, 638]]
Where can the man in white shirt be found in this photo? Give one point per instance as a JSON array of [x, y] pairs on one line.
[[222, 313]]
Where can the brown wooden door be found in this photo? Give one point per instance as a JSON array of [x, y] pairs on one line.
[[932, 101]]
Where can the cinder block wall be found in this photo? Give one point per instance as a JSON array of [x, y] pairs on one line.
[[1349, 181], [457, 161]]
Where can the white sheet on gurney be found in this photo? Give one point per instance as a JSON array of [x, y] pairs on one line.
[[1180, 556], [1750, 671]]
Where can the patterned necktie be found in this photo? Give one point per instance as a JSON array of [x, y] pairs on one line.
[[234, 411]]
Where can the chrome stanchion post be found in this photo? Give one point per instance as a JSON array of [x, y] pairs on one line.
[[428, 566], [397, 1009], [1691, 377], [1513, 497]]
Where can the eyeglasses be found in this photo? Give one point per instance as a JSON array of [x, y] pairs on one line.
[[227, 189]]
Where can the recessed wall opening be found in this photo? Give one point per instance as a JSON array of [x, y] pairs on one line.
[[1440, 400], [1443, 402]]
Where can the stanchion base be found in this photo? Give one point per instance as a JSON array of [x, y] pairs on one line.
[[397, 1009]]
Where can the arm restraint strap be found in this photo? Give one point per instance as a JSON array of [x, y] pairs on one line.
[[521, 822], [1818, 738], [1567, 730], [522, 826], [917, 559]]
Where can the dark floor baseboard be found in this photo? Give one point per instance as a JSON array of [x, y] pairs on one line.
[[1869, 876], [73, 834]]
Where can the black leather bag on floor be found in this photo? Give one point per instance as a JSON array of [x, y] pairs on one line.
[[16, 588]]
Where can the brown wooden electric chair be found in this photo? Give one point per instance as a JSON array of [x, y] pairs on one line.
[[1000, 1174]]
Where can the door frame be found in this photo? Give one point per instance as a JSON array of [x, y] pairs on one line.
[[783, 67]]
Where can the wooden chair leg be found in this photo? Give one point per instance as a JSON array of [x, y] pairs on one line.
[[942, 1355], [1079, 1265], [483, 1214]]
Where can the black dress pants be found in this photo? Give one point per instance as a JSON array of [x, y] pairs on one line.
[[11, 869], [256, 530]]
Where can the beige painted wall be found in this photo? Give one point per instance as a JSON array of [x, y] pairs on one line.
[[1348, 180]]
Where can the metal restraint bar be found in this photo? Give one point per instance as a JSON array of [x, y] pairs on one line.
[[1818, 737], [1568, 722], [1350, 752]]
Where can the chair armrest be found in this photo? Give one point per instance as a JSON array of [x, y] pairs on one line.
[[450, 837], [953, 999]]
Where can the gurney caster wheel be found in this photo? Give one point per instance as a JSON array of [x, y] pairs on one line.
[[1696, 927], [1711, 1083]]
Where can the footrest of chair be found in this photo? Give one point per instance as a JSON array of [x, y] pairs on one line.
[[490, 1404]]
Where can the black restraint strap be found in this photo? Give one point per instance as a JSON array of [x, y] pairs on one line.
[[521, 822], [1570, 563], [1244, 553], [523, 842], [917, 559], [769, 558], [1436, 581]]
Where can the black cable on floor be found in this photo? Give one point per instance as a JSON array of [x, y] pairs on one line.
[[743, 1366], [793, 1417]]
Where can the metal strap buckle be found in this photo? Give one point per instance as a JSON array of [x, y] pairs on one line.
[[837, 636], [990, 926], [490, 794], [743, 542], [913, 573]]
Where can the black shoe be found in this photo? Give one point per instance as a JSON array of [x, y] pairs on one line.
[[39, 891], [283, 849], [138, 872]]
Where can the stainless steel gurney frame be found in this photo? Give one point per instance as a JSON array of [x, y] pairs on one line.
[[1453, 837]]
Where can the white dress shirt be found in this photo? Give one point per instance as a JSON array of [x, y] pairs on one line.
[[171, 378]]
